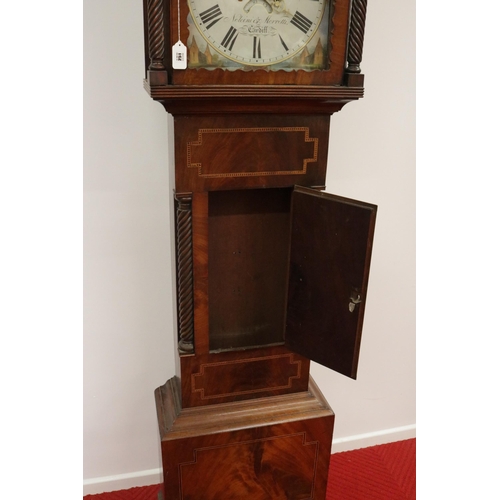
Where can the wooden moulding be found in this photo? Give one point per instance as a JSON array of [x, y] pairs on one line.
[[168, 404], [244, 91], [176, 422], [235, 99]]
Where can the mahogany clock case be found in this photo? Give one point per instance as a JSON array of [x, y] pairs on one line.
[[247, 144], [271, 271]]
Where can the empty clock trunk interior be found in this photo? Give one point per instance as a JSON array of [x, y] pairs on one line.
[[249, 233]]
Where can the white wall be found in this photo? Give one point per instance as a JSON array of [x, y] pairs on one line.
[[128, 253], [128, 308], [372, 158]]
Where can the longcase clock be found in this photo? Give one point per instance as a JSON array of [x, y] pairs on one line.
[[272, 272]]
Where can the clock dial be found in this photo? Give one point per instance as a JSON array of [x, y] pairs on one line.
[[282, 33]]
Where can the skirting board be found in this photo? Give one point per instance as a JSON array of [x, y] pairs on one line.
[[374, 438], [153, 476], [105, 484]]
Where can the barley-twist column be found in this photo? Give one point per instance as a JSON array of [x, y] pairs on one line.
[[356, 36], [184, 243], [156, 37]]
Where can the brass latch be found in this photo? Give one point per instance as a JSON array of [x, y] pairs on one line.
[[355, 299]]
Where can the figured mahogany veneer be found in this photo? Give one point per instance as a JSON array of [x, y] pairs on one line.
[[241, 151], [222, 377], [265, 449], [215, 152]]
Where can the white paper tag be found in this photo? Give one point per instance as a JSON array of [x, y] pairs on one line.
[[179, 56]]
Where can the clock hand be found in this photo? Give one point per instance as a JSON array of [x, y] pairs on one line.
[[279, 5]]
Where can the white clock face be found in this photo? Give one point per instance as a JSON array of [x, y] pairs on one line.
[[257, 32]]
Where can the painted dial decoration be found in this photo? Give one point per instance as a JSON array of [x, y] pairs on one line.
[[235, 33]]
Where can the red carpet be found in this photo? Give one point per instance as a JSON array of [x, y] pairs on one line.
[[384, 472]]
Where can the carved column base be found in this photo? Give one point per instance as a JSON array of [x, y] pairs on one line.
[[354, 79], [157, 78]]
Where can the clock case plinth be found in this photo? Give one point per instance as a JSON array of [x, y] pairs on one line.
[[251, 151], [270, 448]]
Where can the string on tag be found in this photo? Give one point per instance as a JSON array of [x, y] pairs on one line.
[[179, 20], [179, 51]]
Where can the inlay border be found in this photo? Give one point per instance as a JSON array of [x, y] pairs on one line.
[[267, 388], [199, 142]]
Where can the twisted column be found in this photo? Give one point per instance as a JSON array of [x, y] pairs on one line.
[[156, 37], [356, 36], [184, 247]]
